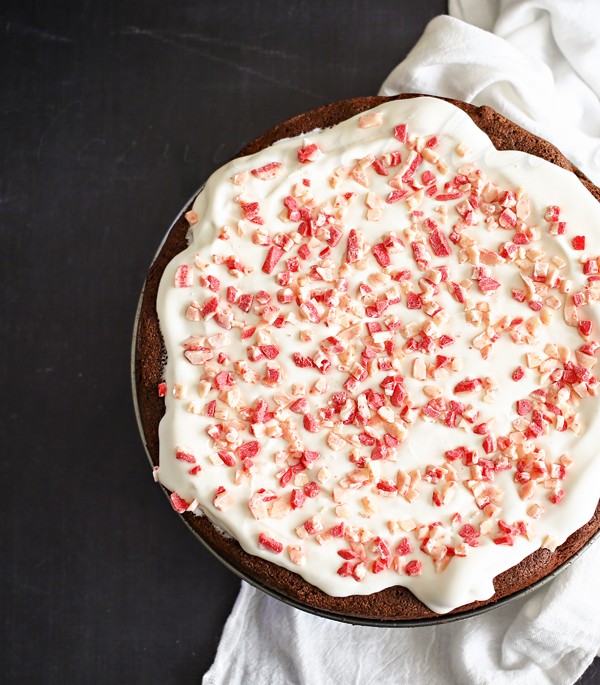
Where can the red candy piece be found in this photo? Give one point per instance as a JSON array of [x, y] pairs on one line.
[[346, 569], [380, 565], [273, 256], [414, 568], [413, 166], [297, 498], [520, 238], [245, 302], [420, 254], [413, 301], [523, 407], [381, 254], [227, 458], [300, 406], [178, 503], [292, 206], [489, 444], [579, 242], [404, 547], [309, 456], [269, 544], [210, 306], [335, 235], [337, 531], [267, 171], [439, 244], [468, 385], [470, 535], [386, 486], [269, 351], [250, 211], [311, 489], [301, 360], [213, 283], [184, 276], [304, 252], [247, 332], [468, 531], [401, 133], [379, 168], [509, 218], [353, 250], [260, 411], [396, 196], [487, 285], [379, 452], [285, 477], [446, 197], [347, 554], [248, 449], [453, 455], [306, 154], [224, 379], [310, 423], [182, 455], [427, 178]]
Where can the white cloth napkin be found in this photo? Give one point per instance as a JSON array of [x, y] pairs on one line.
[[537, 62], [540, 67]]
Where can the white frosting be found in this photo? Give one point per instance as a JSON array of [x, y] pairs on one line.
[[465, 579]]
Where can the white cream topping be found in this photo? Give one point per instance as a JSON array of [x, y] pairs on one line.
[[441, 586]]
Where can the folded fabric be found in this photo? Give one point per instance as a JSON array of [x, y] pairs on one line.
[[536, 63], [550, 636], [538, 68]]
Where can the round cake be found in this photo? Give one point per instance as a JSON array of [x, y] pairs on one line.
[[365, 356]]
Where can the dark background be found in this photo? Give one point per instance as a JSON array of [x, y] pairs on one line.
[[112, 114]]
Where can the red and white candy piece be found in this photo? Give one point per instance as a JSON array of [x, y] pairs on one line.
[[184, 276]]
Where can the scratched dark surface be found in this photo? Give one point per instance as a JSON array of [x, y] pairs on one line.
[[112, 114]]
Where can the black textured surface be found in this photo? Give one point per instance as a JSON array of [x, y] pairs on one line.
[[112, 114]]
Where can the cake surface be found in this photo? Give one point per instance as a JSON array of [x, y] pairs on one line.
[[388, 510]]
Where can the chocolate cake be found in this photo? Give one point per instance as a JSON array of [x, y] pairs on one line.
[[394, 603]]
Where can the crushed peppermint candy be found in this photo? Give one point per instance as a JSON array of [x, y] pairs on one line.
[[376, 353]]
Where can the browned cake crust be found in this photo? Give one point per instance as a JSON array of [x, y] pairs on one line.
[[394, 603]]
